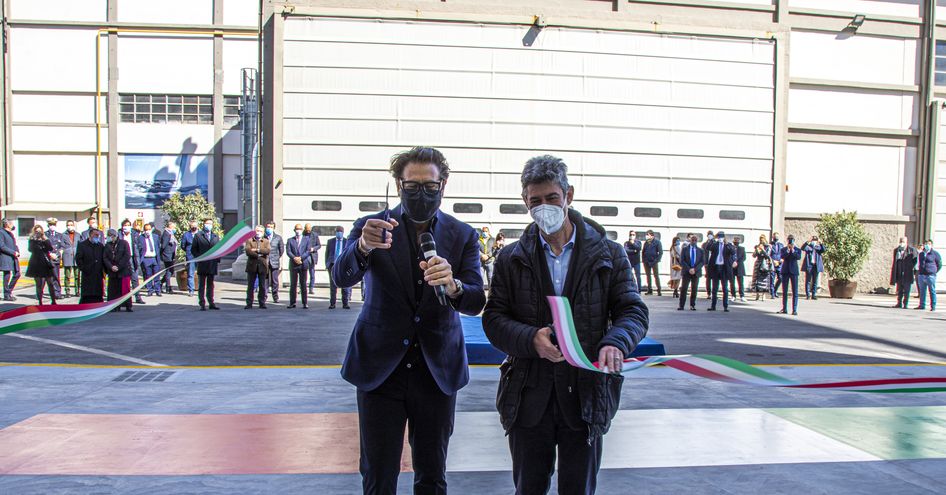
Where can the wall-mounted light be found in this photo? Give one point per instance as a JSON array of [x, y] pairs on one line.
[[856, 22]]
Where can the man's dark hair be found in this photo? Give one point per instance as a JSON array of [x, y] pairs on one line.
[[650, 232], [126, 221], [339, 229], [545, 168], [419, 154]]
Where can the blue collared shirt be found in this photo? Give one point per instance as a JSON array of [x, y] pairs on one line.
[[558, 265]]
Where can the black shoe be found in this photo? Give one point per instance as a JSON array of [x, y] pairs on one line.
[[692, 308], [650, 293], [346, 307], [291, 306], [794, 313], [214, 306], [675, 294], [276, 298], [814, 298], [311, 292], [782, 312], [305, 306], [129, 310], [203, 308], [331, 306], [114, 310], [680, 308], [920, 307], [711, 309], [896, 306], [157, 294], [248, 306], [262, 306], [725, 310], [807, 298], [9, 298]]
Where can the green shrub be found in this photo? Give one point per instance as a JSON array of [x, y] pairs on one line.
[[183, 209], [846, 244]]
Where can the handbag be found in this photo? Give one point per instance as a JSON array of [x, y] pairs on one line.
[[676, 267]]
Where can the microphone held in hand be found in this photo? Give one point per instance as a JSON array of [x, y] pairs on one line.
[[429, 248]]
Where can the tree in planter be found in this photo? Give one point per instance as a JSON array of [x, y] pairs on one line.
[[184, 209], [847, 246]]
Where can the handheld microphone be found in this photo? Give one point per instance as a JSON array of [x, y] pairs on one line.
[[429, 248]]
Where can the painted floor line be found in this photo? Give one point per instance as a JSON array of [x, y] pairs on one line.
[[120, 357]]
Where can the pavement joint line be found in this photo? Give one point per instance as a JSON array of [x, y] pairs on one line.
[[92, 350]]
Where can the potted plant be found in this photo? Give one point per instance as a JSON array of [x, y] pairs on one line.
[[847, 246], [182, 209]]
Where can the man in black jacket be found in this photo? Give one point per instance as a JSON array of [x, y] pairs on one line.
[[206, 270], [692, 260], [722, 258], [544, 403], [633, 249], [903, 270]]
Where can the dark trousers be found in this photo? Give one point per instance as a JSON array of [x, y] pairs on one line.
[[636, 268], [9, 282], [742, 290], [709, 283], [168, 276], [257, 282], [648, 270], [903, 294], [205, 289], [297, 279], [790, 280], [716, 283], [54, 281], [811, 283], [149, 266], [411, 397], [274, 282], [311, 278], [73, 281], [333, 291], [533, 456], [775, 280], [41, 283], [691, 282]]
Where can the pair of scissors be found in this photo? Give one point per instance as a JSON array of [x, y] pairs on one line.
[[387, 212]]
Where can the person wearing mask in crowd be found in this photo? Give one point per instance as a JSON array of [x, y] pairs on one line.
[[335, 247], [708, 267], [55, 238], [761, 268], [812, 265], [90, 258], [651, 253], [789, 270], [722, 255], [739, 271], [549, 408], [117, 262], [499, 244], [676, 270], [300, 257], [132, 238], [257, 267], [9, 259], [168, 255], [314, 245], [92, 224], [43, 258], [903, 270], [148, 246], [277, 248], [775, 254], [206, 270], [406, 355], [187, 240], [486, 255], [633, 249], [929, 263], [692, 259], [70, 241]]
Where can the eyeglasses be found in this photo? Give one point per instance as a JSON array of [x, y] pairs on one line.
[[414, 186]]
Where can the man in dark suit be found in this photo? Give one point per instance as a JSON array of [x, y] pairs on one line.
[[775, 253], [55, 238], [9, 259], [187, 240], [277, 248], [692, 259], [70, 242], [206, 270], [168, 255], [722, 255], [333, 252], [406, 354], [132, 238], [789, 272], [90, 258], [149, 245], [813, 265], [633, 249], [314, 245], [93, 224], [710, 239], [903, 271], [300, 257], [651, 253], [739, 271]]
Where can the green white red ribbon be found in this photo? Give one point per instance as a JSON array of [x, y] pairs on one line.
[[720, 368], [28, 317]]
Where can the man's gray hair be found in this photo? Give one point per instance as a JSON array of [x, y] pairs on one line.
[[545, 168]]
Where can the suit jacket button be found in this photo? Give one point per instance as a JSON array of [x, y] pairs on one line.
[[407, 342], [417, 319]]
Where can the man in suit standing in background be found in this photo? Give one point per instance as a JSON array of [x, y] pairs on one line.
[[70, 241], [333, 252], [9, 259], [722, 255], [187, 240], [277, 248], [148, 246], [633, 249], [813, 265], [651, 253], [300, 258], [55, 238], [789, 272], [93, 224], [903, 271], [131, 237], [206, 270], [692, 258], [168, 255], [775, 253], [739, 271], [708, 267], [314, 245]]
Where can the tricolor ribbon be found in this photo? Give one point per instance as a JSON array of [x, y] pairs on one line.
[[28, 317], [720, 368]]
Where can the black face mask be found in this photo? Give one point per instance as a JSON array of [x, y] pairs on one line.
[[420, 205]]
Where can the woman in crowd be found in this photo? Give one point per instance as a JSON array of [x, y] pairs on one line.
[[676, 269], [498, 244], [118, 267], [40, 267], [761, 269]]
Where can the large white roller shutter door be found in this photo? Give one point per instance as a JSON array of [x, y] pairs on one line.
[[939, 206], [644, 121]]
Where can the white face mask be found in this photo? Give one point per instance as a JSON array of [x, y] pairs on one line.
[[298, 233], [903, 245], [549, 218]]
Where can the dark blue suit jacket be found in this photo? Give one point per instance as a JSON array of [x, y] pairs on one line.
[[686, 263], [730, 256], [330, 251], [155, 245], [813, 258], [790, 261], [299, 248], [391, 317]]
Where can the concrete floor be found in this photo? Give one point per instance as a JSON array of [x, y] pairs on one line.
[[253, 403]]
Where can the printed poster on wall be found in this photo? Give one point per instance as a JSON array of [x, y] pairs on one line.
[[150, 180]]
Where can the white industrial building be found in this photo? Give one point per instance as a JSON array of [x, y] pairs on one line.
[[677, 116]]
